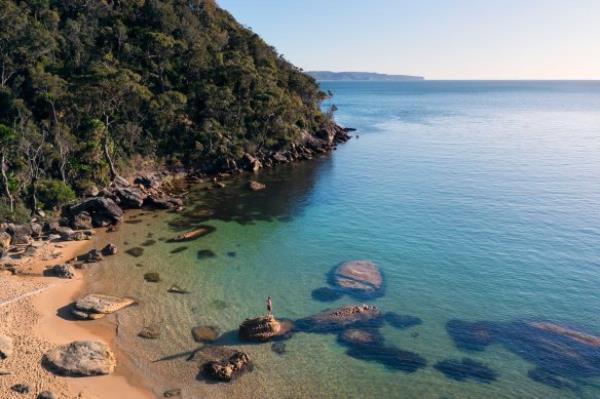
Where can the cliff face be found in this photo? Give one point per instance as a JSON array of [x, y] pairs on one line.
[[88, 85]]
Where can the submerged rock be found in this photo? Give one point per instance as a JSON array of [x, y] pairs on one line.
[[148, 243], [135, 251], [81, 359], [149, 332], [227, 369], [360, 278], [263, 328], [278, 347], [470, 335], [201, 231], [391, 357], [96, 306], [461, 370], [256, 186], [205, 333], [401, 321], [175, 289], [205, 254], [360, 337], [178, 250], [348, 316], [152, 277], [326, 294]]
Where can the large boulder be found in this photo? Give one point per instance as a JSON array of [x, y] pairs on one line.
[[349, 316], [130, 196], [60, 271], [109, 250], [103, 210], [360, 278], [96, 306], [82, 221], [6, 347], [263, 328], [92, 256], [227, 369], [81, 359]]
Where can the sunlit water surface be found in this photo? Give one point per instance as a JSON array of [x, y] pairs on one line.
[[478, 200]]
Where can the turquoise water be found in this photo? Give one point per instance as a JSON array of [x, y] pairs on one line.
[[478, 200]]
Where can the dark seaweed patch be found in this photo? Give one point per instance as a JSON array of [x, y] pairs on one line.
[[473, 336], [401, 321], [547, 378], [205, 254], [232, 254], [135, 251], [360, 337], [148, 243], [178, 250], [326, 294], [461, 370], [391, 357], [278, 347]]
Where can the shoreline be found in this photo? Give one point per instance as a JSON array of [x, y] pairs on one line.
[[33, 306]]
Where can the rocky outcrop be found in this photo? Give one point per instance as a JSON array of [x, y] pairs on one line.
[[96, 306], [163, 201], [129, 196], [360, 278], [227, 369], [104, 211], [349, 316], [263, 328], [60, 271], [6, 347], [81, 359]]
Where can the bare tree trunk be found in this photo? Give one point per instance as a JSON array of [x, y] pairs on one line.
[[34, 195], [111, 165], [6, 186]]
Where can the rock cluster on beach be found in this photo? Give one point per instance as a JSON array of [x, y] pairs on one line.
[[81, 359]]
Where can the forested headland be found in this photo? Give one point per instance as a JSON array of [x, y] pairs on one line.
[[89, 87]]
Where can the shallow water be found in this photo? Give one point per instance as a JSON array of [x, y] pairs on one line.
[[478, 200]]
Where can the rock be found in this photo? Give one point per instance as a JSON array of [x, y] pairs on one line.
[[256, 186], [96, 306], [175, 289], [129, 197], [227, 369], [391, 357], [109, 249], [20, 388], [152, 277], [360, 337], [149, 332], [205, 333], [251, 163], [6, 347], [163, 201], [348, 316], [61, 271], [81, 359], [359, 278], [171, 393], [135, 251], [5, 240], [178, 250], [148, 181], [279, 157], [46, 395], [473, 336], [263, 328], [22, 240], [104, 211], [120, 181], [278, 347], [205, 254], [92, 256], [193, 234], [148, 243], [82, 221]]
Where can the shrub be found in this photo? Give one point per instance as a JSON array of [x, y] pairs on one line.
[[53, 193]]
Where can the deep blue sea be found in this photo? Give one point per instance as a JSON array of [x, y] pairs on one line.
[[479, 201]]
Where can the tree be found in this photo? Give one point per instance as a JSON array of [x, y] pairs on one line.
[[7, 137]]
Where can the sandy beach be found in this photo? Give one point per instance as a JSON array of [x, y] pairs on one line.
[[30, 313]]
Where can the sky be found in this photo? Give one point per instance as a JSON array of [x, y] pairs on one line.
[[438, 39]]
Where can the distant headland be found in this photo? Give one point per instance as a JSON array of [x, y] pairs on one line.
[[328, 75]]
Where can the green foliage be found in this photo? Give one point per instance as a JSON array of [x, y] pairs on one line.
[[180, 81], [54, 193], [20, 214]]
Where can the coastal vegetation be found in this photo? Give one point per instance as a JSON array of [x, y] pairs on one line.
[[88, 89]]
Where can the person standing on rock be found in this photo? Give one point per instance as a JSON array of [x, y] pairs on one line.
[[269, 306]]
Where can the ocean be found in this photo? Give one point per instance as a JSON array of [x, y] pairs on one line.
[[478, 200]]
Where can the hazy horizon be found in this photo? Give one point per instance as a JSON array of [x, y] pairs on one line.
[[440, 40]]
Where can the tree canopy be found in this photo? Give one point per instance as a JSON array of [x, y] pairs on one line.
[[88, 85]]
